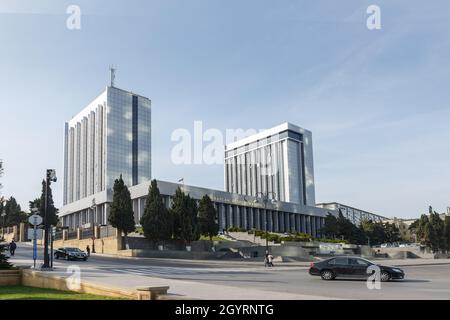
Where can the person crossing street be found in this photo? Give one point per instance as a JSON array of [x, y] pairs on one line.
[[12, 248]]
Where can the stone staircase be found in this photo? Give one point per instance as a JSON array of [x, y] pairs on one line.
[[251, 238]]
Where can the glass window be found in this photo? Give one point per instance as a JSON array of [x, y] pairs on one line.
[[339, 261], [358, 262]]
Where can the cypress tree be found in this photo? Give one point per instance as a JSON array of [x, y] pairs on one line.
[[52, 212], [207, 218], [184, 212], [156, 221], [121, 215]]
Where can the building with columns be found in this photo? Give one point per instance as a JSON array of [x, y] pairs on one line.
[[233, 210], [277, 161], [112, 137]]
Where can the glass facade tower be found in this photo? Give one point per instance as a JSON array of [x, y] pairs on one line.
[[109, 138]]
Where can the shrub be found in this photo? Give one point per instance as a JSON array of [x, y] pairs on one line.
[[4, 264], [235, 229]]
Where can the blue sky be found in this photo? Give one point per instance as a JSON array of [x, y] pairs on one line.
[[376, 101]]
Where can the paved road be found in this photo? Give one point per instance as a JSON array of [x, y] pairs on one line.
[[242, 280]]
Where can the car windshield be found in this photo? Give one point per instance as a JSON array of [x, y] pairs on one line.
[[73, 250]]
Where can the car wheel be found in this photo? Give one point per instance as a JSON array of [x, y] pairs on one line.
[[327, 275], [67, 258], [84, 259], [385, 276], [56, 257]]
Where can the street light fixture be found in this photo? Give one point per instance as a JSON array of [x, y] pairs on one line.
[[266, 199]]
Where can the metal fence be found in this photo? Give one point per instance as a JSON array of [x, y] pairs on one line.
[[107, 231], [6, 230], [87, 233], [72, 235], [58, 235]]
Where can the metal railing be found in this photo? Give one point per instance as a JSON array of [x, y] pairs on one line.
[[72, 235], [107, 231], [58, 235], [87, 233]]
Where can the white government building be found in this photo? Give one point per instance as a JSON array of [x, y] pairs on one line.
[[112, 137]]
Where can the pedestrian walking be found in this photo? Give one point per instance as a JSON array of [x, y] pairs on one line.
[[266, 259], [12, 248], [88, 250], [270, 260]]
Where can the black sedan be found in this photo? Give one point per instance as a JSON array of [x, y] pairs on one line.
[[70, 254], [353, 267]]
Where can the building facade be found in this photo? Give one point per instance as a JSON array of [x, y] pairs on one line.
[[277, 162], [112, 137], [233, 210], [353, 214], [108, 138]]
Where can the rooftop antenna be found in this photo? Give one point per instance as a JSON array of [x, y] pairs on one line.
[[112, 70]]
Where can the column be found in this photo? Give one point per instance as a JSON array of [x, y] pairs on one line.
[[276, 225], [257, 219], [237, 216], [245, 211], [230, 216], [307, 225], [297, 223], [281, 222], [221, 216], [270, 220], [292, 222], [313, 226], [287, 222], [264, 219], [251, 222]]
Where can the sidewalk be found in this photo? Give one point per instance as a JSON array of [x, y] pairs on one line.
[[203, 291]]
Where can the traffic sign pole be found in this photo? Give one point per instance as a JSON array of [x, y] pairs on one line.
[[35, 220], [34, 248]]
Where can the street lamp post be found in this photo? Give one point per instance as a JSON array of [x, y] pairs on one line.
[[50, 177], [265, 199], [94, 214]]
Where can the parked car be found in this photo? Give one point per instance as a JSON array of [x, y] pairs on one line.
[[70, 254], [352, 267]]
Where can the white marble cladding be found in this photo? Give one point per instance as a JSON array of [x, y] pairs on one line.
[[278, 161]]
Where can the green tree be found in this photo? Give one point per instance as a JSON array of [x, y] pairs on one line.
[[392, 232], [14, 214], [52, 212], [156, 221], [436, 232], [447, 233], [331, 227], [207, 218], [420, 228], [121, 213], [4, 263], [349, 231], [36, 203], [184, 212]]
